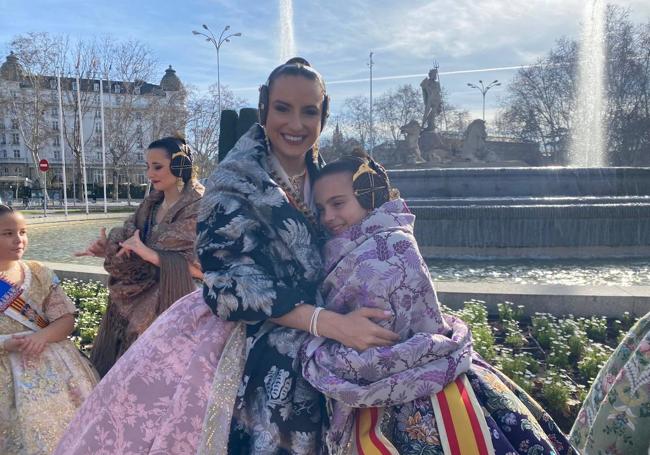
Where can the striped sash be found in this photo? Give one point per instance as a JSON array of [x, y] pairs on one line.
[[461, 423], [13, 305], [368, 438]]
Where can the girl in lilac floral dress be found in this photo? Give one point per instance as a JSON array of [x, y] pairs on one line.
[[429, 393]]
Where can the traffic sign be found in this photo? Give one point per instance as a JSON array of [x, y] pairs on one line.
[[43, 165]]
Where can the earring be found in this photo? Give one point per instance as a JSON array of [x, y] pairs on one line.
[[314, 155], [180, 184]]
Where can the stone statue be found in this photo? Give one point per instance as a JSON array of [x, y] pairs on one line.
[[412, 148], [432, 95], [474, 147]]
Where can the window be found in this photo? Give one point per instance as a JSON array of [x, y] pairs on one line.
[[138, 116], [2, 123], [137, 90], [98, 113], [138, 128], [3, 154], [14, 124], [55, 125], [98, 156], [117, 88], [6, 170], [57, 154], [56, 141], [139, 156], [53, 85], [98, 141], [3, 138], [54, 111], [16, 153], [15, 138], [96, 87], [19, 171], [74, 86], [98, 128]]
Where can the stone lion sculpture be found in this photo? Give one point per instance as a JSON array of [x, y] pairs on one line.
[[474, 146]]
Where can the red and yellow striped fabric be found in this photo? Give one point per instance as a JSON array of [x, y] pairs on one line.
[[460, 420], [26, 311], [369, 439]]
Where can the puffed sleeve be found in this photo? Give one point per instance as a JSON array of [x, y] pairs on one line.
[[57, 303], [239, 279]]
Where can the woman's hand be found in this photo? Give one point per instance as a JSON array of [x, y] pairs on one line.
[[356, 329], [133, 244], [97, 248]]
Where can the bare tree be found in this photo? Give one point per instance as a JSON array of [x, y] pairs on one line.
[[355, 118], [203, 122], [38, 54], [396, 108]]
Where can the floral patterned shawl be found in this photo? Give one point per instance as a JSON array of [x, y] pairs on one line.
[[377, 264], [260, 257], [140, 291]]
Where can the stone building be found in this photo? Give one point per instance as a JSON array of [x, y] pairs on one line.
[[136, 112]]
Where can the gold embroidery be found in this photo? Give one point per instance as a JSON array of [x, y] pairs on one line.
[[216, 426]]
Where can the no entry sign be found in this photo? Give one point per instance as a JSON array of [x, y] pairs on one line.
[[43, 165]]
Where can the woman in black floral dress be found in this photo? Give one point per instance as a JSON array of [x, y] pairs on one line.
[[258, 242]]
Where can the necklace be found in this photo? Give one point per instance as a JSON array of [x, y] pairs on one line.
[[294, 196]]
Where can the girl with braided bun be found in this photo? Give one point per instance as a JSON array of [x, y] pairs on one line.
[[150, 259], [429, 392]]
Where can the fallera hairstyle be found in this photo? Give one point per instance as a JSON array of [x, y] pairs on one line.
[[180, 155], [296, 66], [370, 180], [5, 209]]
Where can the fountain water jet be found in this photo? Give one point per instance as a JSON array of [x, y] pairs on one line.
[[287, 44], [588, 141]]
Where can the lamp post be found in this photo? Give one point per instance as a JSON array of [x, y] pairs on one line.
[[209, 36], [484, 89]]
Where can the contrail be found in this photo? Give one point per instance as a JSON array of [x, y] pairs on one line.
[[410, 76]]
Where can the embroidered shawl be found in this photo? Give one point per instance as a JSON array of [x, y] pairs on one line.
[[260, 257], [377, 264], [138, 290]]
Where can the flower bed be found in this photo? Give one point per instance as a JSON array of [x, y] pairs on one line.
[[555, 359]]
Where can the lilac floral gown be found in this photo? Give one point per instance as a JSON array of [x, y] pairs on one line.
[[377, 264]]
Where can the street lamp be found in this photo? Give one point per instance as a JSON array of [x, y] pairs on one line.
[[209, 36], [484, 89]]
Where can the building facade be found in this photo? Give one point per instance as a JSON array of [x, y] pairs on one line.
[[135, 113]]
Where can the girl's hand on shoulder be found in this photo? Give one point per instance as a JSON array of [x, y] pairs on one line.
[[356, 329], [97, 248]]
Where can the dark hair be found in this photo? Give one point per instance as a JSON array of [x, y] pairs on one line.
[[371, 186], [4, 209], [179, 153], [296, 66]]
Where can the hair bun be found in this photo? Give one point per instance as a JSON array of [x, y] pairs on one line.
[[298, 61]]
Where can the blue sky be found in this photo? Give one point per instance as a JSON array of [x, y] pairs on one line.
[[335, 36]]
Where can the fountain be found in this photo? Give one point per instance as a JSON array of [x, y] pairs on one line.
[[588, 144], [586, 211], [287, 43]]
